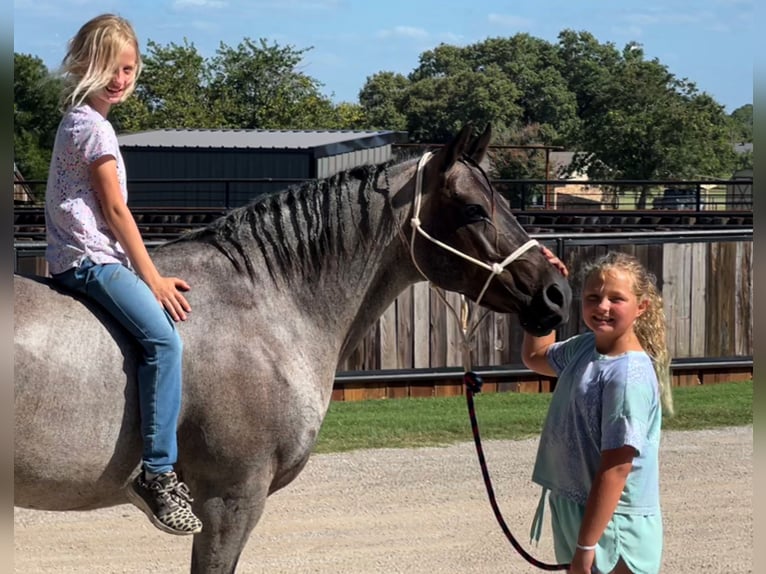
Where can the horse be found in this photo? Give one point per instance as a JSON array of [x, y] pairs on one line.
[[282, 289]]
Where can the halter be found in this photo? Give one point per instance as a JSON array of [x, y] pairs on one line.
[[494, 268]]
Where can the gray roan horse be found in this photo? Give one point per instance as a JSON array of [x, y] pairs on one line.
[[282, 290]]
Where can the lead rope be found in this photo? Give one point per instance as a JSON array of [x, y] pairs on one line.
[[471, 379], [473, 383]]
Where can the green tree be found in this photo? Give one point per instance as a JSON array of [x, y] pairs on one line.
[[626, 116], [349, 116], [443, 61], [638, 120], [454, 85], [511, 82], [174, 88], [742, 124], [436, 107], [744, 161], [133, 115], [252, 86], [382, 100], [521, 162], [586, 66], [260, 86], [534, 66], [35, 115]]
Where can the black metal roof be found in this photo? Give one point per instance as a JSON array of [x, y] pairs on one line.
[[321, 143]]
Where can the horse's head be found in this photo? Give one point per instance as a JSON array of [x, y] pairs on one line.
[[486, 254]]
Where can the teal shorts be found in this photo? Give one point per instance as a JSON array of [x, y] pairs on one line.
[[636, 538]]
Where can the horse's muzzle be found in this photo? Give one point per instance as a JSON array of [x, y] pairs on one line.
[[549, 308]]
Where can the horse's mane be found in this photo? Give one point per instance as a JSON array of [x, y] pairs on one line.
[[296, 227]]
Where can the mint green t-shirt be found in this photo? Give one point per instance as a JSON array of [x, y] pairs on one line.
[[600, 403]]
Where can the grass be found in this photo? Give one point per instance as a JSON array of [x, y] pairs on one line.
[[408, 423]]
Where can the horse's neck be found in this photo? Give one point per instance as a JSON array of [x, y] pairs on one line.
[[337, 256], [370, 268]]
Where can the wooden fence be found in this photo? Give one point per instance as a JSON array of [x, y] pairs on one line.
[[707, 287], [706, 283]]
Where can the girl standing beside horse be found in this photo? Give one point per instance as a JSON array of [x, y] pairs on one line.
[[599, 448], [95, 249]]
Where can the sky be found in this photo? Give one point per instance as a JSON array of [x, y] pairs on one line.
[[709, 42]]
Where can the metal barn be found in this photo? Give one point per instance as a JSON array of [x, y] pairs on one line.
[[227, 168]]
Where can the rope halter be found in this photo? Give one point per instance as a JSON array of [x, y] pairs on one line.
[[494, 268], [417, 228]]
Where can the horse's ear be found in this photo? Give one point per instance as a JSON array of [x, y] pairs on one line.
[[451, 152], [478, 148]]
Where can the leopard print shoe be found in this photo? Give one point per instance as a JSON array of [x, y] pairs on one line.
[[166, 502]]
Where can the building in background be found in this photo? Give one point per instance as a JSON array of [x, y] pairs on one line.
[[228, 168]]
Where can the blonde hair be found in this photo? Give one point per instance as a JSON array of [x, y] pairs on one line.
[[89, 64], [649, 327]]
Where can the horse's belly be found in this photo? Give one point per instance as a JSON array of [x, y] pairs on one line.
[[68, 457]]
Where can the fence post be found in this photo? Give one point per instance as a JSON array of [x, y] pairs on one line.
[[698, 196]]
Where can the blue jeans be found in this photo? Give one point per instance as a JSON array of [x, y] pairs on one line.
[[130, 301]]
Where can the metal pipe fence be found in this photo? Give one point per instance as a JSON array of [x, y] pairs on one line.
[[620, 194]]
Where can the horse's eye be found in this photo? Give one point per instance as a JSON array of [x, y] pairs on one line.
[[474, 213]]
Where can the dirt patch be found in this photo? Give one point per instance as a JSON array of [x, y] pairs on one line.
[[417, 511]]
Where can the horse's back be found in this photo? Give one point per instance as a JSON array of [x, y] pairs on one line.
[[53, 328], [74, 405]]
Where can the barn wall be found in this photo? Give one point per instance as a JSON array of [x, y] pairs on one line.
[[218, 164]]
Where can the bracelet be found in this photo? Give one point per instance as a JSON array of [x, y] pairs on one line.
[[586, 548]]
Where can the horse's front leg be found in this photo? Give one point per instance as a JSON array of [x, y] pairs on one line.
[[228, 513]]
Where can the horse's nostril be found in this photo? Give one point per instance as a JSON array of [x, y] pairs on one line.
[[554, 295]]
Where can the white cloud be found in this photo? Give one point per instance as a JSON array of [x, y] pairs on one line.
[[509, 21], [403, 32]]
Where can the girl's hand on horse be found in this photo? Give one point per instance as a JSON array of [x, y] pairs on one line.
[[555, 261], [167, 290]]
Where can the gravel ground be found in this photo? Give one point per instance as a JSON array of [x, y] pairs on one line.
[[417, 511]]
